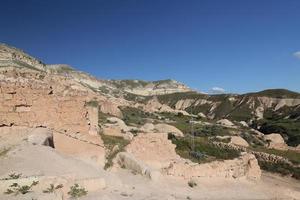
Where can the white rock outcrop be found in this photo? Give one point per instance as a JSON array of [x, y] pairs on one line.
[[128, 161], [166, 128], [243, 123], [275, 141], [239, 141], [225, 122], [148, 127]]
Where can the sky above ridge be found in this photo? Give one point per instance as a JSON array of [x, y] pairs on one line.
[[213, 46]]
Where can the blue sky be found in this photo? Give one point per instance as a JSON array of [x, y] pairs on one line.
[[238, 45]]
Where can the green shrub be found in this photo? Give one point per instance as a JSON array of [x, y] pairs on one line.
[[135, 116], [13, 176], [76, 191], [52, 188], [17, 189]]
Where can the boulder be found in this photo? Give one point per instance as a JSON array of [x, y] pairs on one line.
[[128, 161], [276, 141], [239, 141], [225, 122], [147, 128], [243, 123], [166, 128], [200, 114], [114, 121], [41, 136], [115, 127]]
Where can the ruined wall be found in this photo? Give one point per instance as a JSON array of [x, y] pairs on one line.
[[28, 101]]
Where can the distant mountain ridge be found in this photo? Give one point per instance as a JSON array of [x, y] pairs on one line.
[[11, 56]]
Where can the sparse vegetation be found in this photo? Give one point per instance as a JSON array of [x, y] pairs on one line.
[[224, 140], [17, 189], [76, 191], [277, 93], [288, 128], [129, 83], [114, 145], [3, 152], [13, 176], [52, 188], [202, 150], [281, 168], [103, 89], [252, 139], [92, 103], [182, 122], [102, 117], [135, 116], [172, 99], [136, 98]]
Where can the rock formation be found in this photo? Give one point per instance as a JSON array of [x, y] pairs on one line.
[[276, 141]]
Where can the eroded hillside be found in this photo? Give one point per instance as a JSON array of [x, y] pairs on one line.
[[66, 134]]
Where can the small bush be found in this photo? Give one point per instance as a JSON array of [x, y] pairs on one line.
[[192, 183], [13, 176], [52, 188], [16, 189], [3, 152], [76, 191]]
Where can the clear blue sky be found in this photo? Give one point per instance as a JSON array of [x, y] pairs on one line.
[[237, 45]]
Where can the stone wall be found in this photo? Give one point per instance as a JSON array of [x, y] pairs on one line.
[[244, 166], [31, 102], [157, 152]]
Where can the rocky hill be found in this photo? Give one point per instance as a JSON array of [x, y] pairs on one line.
[[11, 56], [269, 110]]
